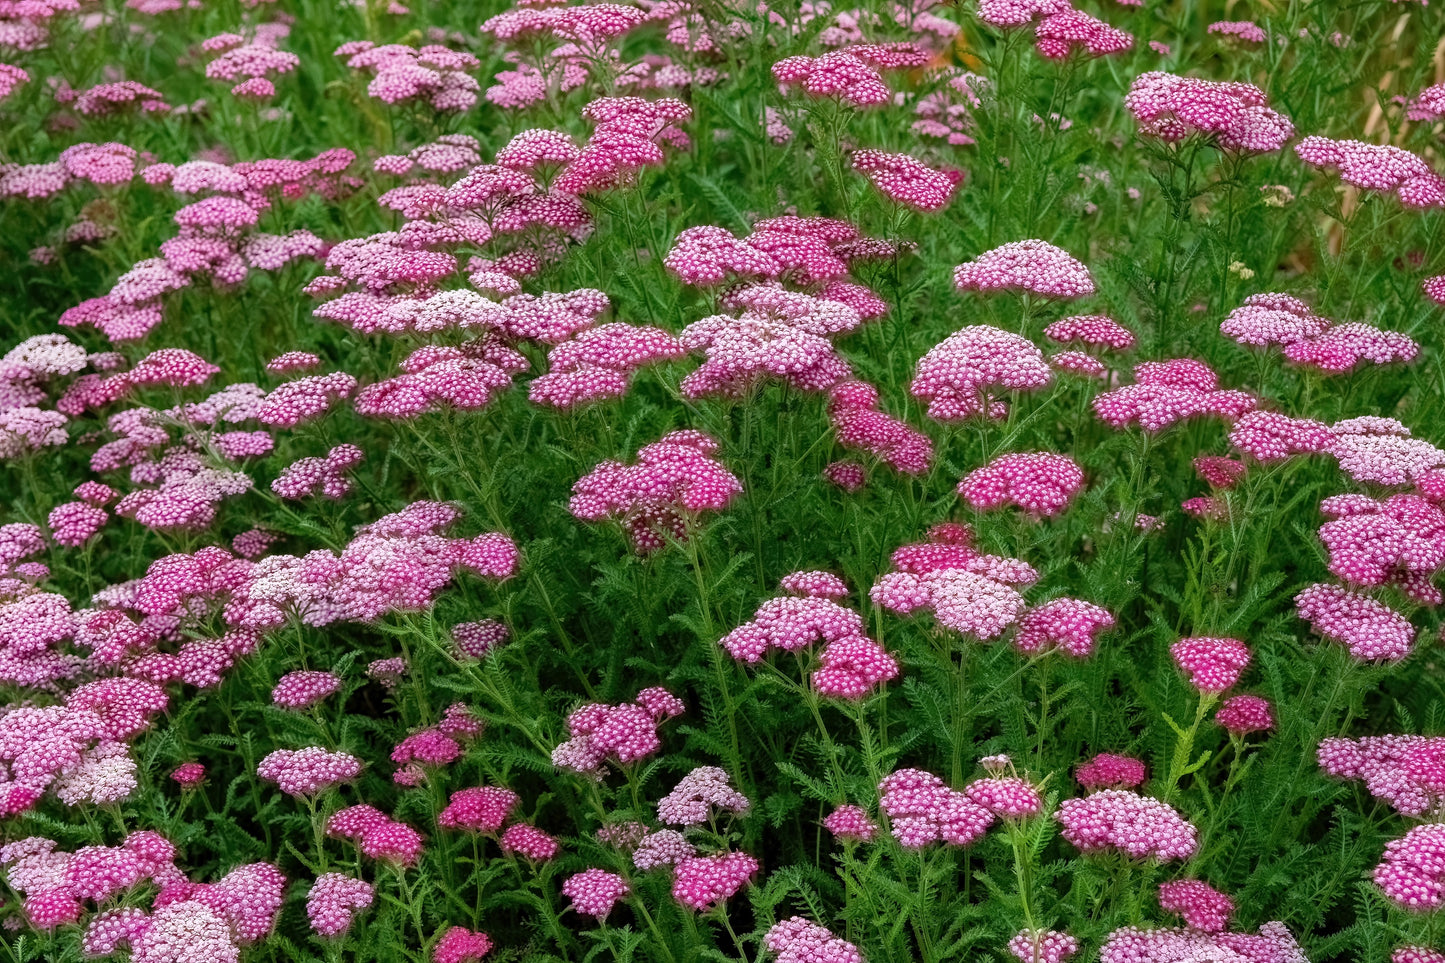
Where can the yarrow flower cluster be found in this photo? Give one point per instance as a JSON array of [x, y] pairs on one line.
[[624, 733], [1117, 820], [959, 376], [1376, 167], [922, 810], [674, 480], [1236, 116], [851, 664], [796, 940], [1032, 265], [1041, 484], [967, 591]]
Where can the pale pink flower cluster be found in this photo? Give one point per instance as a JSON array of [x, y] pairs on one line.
[[967, 591], [851, 664], [624, 733], [1030, 265], [1116, 820], [56, 884], [796, 940], [1095, 331], [1370, 629], [1428, 104], [1040, 483], [673, 481], [1406, 771], [841, 74], [904, 179], [1377, 167], [776, 334], [1168, 391], [1042, 946], [1268, 436], [304, 688], [333, 902], [699, 797], [1236, 115], [433, 74], [1069, 31], [922, 810], [959, 376], [1273, 944], [598, 364], [306, 772], [319, 476], [376, 834], [464, 378], [627, 138], [1018, 13], [1243, 29], [1309, 339], [859, 424]]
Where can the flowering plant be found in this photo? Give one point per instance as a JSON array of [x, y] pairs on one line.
[[679, 481]]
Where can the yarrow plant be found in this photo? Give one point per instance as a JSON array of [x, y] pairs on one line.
[[669, 482]]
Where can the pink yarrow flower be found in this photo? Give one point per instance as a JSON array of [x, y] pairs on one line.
[[1041, 484]]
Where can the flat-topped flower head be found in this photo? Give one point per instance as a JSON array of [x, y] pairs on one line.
[[1376, 167], [797, 940], [1412, 873], [672, 482], [1040, 483], [1243, 714], [698, 795], [1031, 265], [704, 882], [1245, 30], [839, 74], [1236, 116], [1018, 13], [306, 772], [595, 891], [1069, 625], [1072, 31], [1007, 797], [1211, 664], [333, 902], [922, 810], [303, 689], [1265, 319], [1405, 771], [907, 180], [959, 376], [1091, 330], [850, 823], [1202, 906], [461, 945], [1042, 946], [1370, 629], [1116, 820], [1132, 945]]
